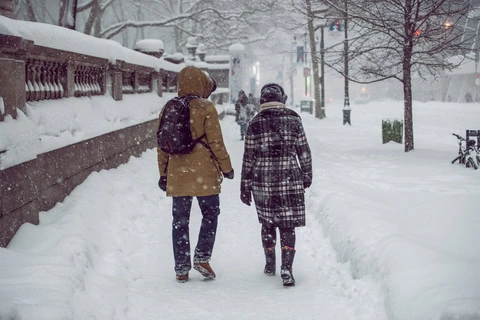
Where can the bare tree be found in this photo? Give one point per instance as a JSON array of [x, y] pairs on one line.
[[219, 23], [68, 13], [30, 12], [94, 11], [36, 11], [393, 39]]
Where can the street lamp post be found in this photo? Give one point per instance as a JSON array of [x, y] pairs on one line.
[[293, 66], [322, 72], [477, 79], [305, 63], [346, 103]]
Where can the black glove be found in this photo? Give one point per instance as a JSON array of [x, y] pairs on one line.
[[162, 183], [307, 182], [246, 197], [228, 175]]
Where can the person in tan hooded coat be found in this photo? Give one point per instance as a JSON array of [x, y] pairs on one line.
[[197, 174]]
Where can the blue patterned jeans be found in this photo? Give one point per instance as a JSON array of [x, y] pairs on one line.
[[210, 208]]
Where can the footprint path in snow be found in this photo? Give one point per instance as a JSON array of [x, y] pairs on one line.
[[131, 272]]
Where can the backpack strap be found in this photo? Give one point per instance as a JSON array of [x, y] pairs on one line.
[[203, 143], [189, 98], [186, 99]]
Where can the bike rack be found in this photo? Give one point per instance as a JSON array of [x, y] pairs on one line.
[[473, 133]]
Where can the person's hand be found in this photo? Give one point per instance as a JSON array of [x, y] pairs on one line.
[[229, 175], [307, 182], [162, 183], [246, 197]]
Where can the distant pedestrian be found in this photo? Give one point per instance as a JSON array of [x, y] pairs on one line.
[[254, 102], [244, 112], [196, 174], [276, 169]]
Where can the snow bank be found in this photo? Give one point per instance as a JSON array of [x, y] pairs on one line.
[[56, 37], [411, 220], [52, 124], [18, 140]]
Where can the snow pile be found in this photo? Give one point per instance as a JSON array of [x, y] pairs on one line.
[[18, 140], [150, 45], [408, 219], [52, 124], [217, 58], [236, 48], [60, 38]]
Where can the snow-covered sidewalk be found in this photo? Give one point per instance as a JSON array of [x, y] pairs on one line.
[[389, 235]]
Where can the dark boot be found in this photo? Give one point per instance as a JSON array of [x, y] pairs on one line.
[[270, 261], [288, 254]]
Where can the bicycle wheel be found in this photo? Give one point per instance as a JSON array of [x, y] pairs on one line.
[[471, 164]]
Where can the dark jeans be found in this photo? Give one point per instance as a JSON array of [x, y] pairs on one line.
[[269, 236], [243, 128], [210, 207]]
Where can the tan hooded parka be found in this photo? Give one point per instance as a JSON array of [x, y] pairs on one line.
[[198, 173]]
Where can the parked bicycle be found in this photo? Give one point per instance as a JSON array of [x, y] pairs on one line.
[[468, 152]]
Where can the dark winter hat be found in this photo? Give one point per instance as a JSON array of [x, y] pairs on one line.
[[272, 92]]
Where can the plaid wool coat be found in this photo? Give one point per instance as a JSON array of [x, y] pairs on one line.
[[276, 163]]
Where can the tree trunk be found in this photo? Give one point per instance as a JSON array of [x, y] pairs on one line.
[[67, 14], [346, 61], [319, 112], [62, 13], [94, 14], [97, 28], [177, 34], [407, 96], [407, 77], [322, 69], [30, 12]]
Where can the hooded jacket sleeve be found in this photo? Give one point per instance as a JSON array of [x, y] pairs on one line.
[[214, 137], [162, 157]]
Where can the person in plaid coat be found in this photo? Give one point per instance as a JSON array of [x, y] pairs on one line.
[[276, 170]]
